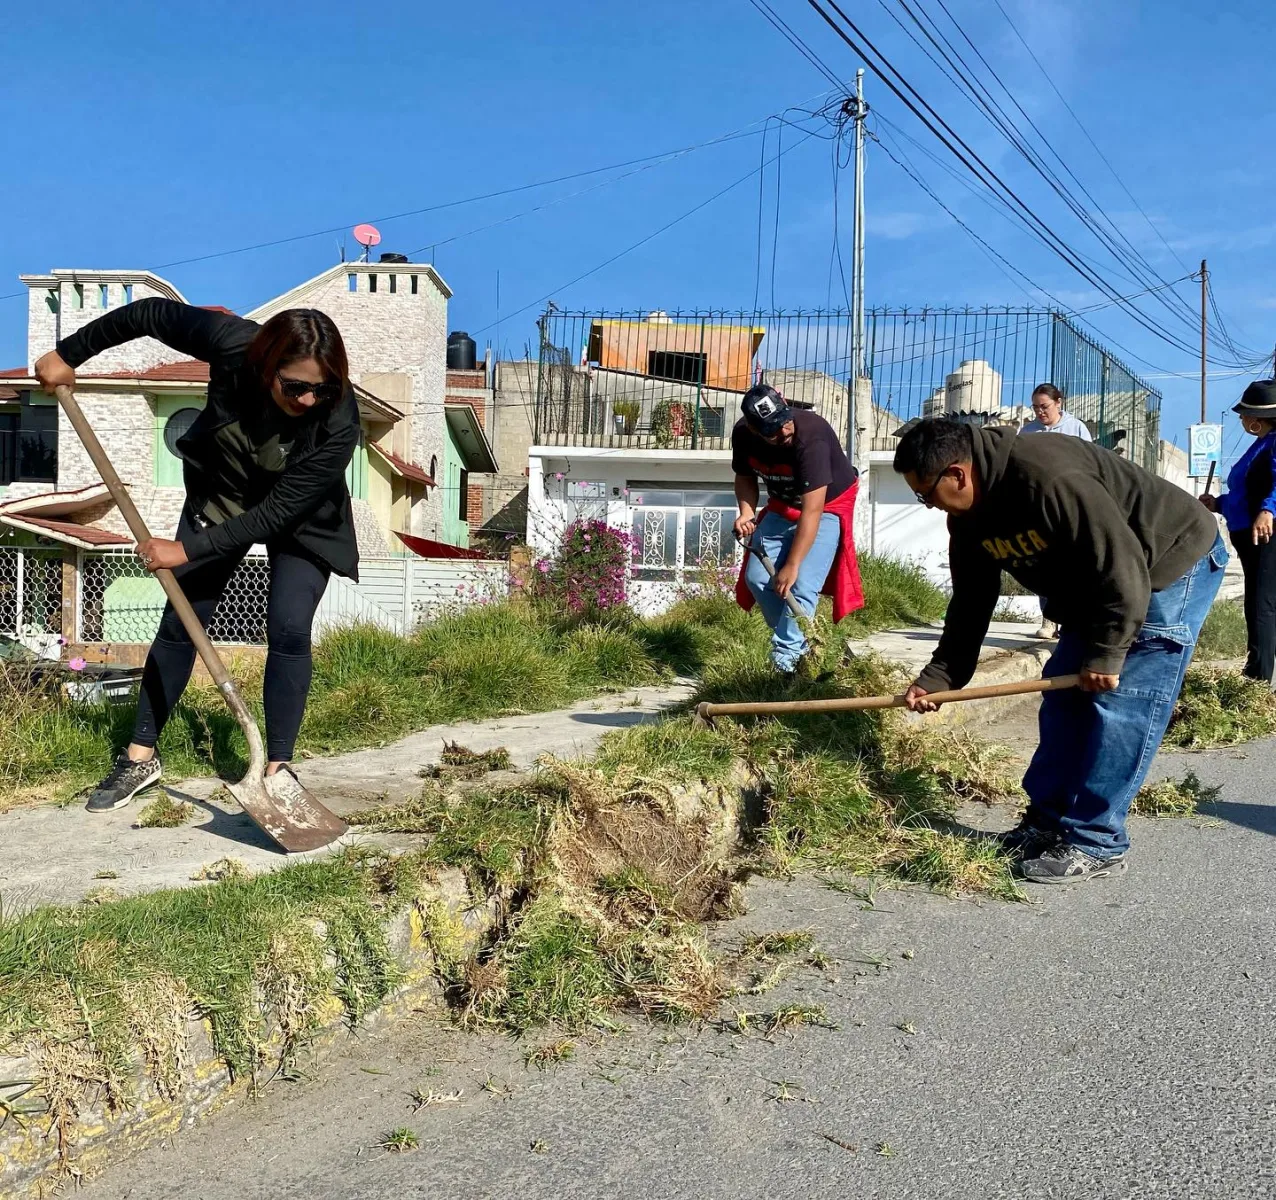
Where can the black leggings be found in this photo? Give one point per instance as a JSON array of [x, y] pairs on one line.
[[297, 584], [1259, 565]]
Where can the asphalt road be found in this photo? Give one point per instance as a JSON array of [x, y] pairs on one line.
[[1114, 1039]]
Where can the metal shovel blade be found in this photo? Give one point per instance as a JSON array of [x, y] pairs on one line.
[[286, 812]]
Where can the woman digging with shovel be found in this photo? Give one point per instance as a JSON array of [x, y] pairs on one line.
[[264, 463]]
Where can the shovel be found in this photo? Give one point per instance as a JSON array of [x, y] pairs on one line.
[[296, 822], [772, 708]]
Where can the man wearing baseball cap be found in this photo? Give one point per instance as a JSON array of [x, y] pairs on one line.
[[806, 528]]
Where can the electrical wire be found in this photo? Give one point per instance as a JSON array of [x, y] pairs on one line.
[[965, 79], [644, 240], [973, 162]]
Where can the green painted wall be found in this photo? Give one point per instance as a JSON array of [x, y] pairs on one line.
[[455, 531]]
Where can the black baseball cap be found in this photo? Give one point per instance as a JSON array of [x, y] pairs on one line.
[[765, 410]]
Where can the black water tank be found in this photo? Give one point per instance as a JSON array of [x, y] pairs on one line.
[[462, 353], [394, 258]]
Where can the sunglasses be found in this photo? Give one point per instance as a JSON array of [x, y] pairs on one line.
[[294, 389]]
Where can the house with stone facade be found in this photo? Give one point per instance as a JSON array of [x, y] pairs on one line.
[[64, 561]]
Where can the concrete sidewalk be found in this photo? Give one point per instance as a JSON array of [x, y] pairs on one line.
[[58, 855]]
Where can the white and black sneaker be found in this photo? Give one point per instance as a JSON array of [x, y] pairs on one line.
[[123, 782]]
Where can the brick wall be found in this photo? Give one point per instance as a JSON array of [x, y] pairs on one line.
[[46, 328], [395, 332]]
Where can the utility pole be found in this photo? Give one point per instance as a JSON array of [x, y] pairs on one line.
[[1205, 275], [858, 111]]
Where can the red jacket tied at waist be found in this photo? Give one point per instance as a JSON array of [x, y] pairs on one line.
[[843, 583]]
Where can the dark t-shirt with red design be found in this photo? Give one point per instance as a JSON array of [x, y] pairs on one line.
[[814, 459]]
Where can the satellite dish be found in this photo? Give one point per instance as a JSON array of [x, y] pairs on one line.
[[367, 236]]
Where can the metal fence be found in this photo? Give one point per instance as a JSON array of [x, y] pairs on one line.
[[985, 362], [30, 593], [120, 601], [116, 601], [674, 380]]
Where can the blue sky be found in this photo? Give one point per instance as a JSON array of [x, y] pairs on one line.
[[143, 134]]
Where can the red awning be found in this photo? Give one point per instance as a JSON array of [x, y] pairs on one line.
[[400, 466], [431, 549], [84, 536]]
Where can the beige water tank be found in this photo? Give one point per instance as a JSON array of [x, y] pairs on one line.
[[973, 387]]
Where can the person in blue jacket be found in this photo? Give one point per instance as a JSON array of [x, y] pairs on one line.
[[1247, 508]]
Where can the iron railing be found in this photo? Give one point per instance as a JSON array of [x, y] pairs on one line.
[[645, 380], [674, 380], [986, 362]]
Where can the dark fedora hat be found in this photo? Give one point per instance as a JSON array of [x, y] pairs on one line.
[[1258, 400]]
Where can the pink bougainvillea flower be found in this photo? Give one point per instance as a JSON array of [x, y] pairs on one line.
[[77, 664]]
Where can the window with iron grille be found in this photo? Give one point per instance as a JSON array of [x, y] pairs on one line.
[[677, 366]]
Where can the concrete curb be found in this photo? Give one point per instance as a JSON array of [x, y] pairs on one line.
[[30, 1160]]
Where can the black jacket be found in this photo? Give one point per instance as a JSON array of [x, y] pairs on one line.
[[1087, 529], [310, 501]]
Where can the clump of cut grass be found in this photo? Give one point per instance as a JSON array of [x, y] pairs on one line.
[[222, 869], [1173, 798], [777, 944], [789, 1017], [553, 1054], [950, 863], [460, 762], [1223, 636], [1221, 708], [400, 1141], [164, 813]]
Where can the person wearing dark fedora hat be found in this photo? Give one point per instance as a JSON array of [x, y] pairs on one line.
[[1248, 508]]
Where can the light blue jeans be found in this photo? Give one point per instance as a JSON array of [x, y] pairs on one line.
[[1095, 750], [775, 535]]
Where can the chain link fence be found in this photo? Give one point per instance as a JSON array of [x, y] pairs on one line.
[[121, 602], [30, 593]]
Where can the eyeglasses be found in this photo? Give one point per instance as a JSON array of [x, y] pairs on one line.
[[294, 389], [925, 497]]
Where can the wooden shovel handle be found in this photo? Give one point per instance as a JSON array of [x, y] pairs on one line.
[[856, 703], [133, 519]]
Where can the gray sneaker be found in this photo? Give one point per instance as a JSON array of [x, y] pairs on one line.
[[1025, 840], [1065, 863], [123, 782]]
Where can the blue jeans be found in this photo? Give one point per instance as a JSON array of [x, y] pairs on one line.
[[775, 535], [1096, 749]]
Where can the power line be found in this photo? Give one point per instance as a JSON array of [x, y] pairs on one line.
[[977, 166], [1098, 222], [643, 241]]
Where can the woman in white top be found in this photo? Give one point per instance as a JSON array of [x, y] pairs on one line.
[[1047, 408]]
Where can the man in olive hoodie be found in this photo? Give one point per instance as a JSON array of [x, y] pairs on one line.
[[1130, 565]]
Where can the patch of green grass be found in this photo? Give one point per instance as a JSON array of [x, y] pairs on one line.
[[557, 970], [778, 943], [400, 1141], [1223, 635], [164, 813], [895, 594], [1173, 798], [84, 988], [674, 747], [1220, 708]]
